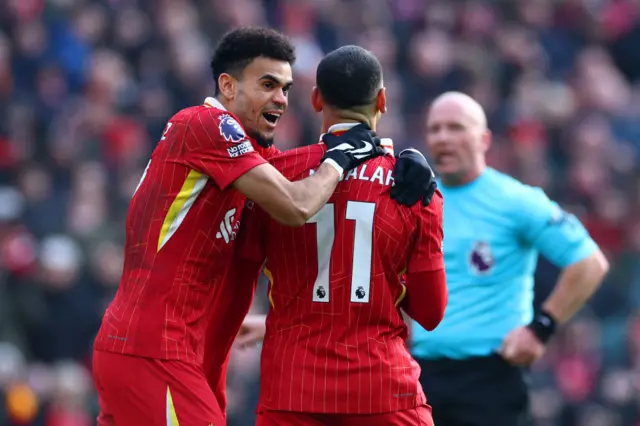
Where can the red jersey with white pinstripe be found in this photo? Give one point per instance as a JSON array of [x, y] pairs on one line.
[[335, 339], [180, 232]]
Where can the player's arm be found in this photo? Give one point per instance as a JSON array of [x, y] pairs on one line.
[[250, 253], [293, 203], [238, 292], [216, 145], [269, 153], [426, 297], [253, 329], [413, 178], [241, 280], [290, 203], [562, 239]]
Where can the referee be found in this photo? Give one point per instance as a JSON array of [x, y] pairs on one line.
[[494, 228]]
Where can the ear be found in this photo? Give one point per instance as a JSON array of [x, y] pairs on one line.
[[227, 84], [381, 100], [316, 100], [487, 138]]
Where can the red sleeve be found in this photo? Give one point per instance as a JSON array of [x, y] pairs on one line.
[[268, 153], [297, 163], [250, 245], [427, 253], [426, 297], [234, 299], [216, 145]]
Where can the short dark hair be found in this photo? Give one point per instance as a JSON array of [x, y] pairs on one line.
[[349, 77], [239, 47]]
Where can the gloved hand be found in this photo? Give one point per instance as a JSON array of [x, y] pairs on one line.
[[352, 148], [413, 179]]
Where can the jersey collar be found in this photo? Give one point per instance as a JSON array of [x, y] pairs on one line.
[[340, 128], [214, 103]]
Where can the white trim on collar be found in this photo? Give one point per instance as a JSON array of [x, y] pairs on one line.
[[341, 127], [214, 103]]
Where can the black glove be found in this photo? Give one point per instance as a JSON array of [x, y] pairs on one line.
[[352, 148], [413, 179]]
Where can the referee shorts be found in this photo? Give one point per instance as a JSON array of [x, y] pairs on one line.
[[480, 391]]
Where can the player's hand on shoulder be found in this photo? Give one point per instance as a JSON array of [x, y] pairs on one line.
[[352, 148], [413, 179]]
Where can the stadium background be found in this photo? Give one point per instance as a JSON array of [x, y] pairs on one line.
[[87, 85]]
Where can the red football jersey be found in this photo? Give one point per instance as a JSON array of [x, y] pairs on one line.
[[180, 230], [335, 339]]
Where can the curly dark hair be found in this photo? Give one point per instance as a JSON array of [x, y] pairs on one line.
[[349, 77], [240, 46]]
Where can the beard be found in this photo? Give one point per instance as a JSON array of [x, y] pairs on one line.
[[261, 140]]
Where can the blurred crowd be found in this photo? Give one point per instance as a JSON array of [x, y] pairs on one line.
[[86, 87]]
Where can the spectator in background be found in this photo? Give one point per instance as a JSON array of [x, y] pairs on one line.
[[86, 87]]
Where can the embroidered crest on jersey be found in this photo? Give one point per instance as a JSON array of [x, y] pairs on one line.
[[230, 129], [228, 227], [481, 258]]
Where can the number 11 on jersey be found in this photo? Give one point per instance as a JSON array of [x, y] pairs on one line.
[[362, 213]]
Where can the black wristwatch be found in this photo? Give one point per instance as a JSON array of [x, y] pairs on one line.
[[543, 326]]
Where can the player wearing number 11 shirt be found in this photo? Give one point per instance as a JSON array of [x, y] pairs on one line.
[[181, 227], [334, 352]]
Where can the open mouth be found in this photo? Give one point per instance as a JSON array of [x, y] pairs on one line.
[[445, 157], [271, 117]]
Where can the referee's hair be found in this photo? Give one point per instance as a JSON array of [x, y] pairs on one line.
[[349, 77]]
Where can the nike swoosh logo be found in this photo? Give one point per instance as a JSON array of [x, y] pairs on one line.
[[358, 153], [366, 148], [364, 151], [342, 147]]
